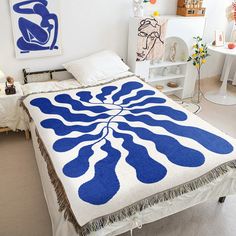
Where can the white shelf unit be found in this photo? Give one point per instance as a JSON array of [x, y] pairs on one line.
[[168, 91], [181, 30], [165, 78], [168, 63], [156, 77]]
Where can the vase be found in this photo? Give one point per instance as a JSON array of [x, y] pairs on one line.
[[138, 8], [197, 94]]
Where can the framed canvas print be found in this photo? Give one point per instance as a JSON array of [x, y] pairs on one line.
[[219, 38], [36, 28], [151, 35]]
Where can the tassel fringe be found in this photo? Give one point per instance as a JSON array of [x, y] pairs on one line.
[[62, 199], [135, 208]]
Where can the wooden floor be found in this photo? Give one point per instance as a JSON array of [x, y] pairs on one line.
[[23, 211]]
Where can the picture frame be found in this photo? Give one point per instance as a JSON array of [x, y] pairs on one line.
[[36, 28], [219, 38]]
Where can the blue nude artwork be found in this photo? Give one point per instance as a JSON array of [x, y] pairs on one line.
[[35, 28]]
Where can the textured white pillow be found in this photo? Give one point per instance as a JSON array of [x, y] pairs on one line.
[[100, 66]]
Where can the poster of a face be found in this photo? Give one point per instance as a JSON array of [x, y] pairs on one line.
[[36, 28], [151, 36]]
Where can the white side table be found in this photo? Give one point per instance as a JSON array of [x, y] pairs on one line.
[[11, 114], [222, 96]]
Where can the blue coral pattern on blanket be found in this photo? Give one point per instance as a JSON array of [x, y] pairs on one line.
[[113, 112]]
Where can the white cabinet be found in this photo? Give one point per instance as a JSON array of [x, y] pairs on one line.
[[180, 30]]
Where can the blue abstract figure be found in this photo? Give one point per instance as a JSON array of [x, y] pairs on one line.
[[130, 104], [36, 36]]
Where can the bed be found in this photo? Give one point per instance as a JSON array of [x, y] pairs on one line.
[[120, 154]]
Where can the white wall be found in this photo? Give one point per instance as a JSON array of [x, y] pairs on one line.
[[165, 7], [216, 19], [89, 26], [86, 26]]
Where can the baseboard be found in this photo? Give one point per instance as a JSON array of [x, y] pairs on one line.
[[212, 77]]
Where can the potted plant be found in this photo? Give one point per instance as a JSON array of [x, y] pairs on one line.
[[198, 59]]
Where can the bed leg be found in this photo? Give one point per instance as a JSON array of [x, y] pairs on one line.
[[27, 134], [222, 199]]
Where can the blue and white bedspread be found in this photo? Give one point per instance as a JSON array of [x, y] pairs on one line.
[[123, 146]]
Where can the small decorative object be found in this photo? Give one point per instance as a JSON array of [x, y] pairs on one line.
[[178, 70], [190, 8], [172, 84], [231, 45], [156, 13], [36, 28], [153, 1], [154, 62], [160, 87], [138, 8], [173, 52], [152, 73], [183, 56], [219, 38], [10, 87], [165, 71], [199, 59]]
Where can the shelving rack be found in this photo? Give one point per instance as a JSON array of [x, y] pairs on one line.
[[179, 29], [157, 78]]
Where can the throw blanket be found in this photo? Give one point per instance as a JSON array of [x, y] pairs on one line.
[[115, 149]]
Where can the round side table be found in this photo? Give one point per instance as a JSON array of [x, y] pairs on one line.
[[222, 96]]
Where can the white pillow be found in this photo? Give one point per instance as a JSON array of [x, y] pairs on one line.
[[100, 66], [52, 85]]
